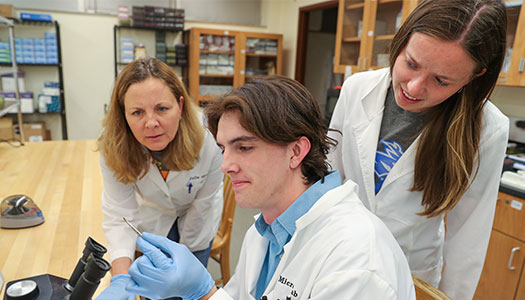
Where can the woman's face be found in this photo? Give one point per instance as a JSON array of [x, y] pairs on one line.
[[428, 71], [152, 113]]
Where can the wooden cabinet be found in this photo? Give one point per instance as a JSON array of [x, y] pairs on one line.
[[502, 277], [261, 55], [512, 73], [365, 29], [222, 60]]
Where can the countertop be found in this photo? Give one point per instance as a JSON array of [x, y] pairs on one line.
[[63, 178]]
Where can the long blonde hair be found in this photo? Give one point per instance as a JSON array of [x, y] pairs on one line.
[[449, 143], [123, 154]]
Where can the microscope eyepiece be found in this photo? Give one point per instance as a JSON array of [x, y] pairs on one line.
[[96, 269], [94, 247], [91, 247]]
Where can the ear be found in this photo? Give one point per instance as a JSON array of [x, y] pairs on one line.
[[300, 149], [181, 103], [481, 73]]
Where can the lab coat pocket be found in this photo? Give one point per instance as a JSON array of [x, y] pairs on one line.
[[284, 289], [194, 184], [188, 189]]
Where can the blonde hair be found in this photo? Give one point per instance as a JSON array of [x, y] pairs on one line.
[[123, 154]]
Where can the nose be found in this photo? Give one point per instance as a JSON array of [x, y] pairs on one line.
[[228, 165], [151, 121], [416, 86]]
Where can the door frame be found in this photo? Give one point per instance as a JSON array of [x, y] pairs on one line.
[[302, 35]]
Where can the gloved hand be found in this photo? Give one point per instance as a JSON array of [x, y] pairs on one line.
[[116, 290], [157, 276]]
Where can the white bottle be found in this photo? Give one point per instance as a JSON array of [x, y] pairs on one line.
[[42, 104]]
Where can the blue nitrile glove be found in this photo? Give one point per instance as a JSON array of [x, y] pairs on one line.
[[116, 290], [157, 276]]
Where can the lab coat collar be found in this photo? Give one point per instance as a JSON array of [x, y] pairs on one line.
[[376, 89], [331, 198], [367, 130], [367, 136], [342, 193], [153, 174]]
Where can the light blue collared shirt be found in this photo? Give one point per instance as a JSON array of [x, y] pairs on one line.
[[281, 230]]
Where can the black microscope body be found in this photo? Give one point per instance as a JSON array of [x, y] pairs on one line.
[[82, 284]]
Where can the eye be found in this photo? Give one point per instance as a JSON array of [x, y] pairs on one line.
[[245, 148], [441, 82], [137, 112], [162, 108], [410, 64]]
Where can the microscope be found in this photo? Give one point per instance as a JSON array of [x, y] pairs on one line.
[[82, 284]]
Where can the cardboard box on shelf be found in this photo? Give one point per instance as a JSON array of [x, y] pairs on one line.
[[6, 129], [6, 10], [33, 132]]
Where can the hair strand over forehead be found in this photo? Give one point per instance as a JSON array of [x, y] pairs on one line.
[[278, 110]]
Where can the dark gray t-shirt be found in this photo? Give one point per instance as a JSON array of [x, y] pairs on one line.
[[399, 128]]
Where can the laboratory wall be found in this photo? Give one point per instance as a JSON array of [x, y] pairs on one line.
[[88, 63], [88, 67]]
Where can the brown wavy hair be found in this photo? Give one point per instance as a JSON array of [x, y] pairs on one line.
[[123, 154], [449, 143], [278, 110]]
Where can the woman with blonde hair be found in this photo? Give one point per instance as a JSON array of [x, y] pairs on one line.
[[422, 140], [160, 166]]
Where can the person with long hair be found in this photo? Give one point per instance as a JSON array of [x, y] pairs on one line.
[[160, 167], [314, 239], [425, 144]]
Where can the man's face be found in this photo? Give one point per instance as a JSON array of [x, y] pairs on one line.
[[260, 171]]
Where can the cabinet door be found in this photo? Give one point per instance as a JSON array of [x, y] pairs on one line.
[[385, 20], [350, 42], [261, 55], [502, 269], [520, 294], [514, 64], [212, 63], [510, 216], [386, 16], [365, 30]]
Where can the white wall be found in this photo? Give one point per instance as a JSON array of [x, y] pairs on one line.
[[87, 57], [282, 16], [510, 100]]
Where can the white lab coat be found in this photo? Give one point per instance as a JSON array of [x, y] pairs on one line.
[[339, 251], [153, 204], [358, 115]]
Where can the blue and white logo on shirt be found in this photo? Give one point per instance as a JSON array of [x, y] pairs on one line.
[[385, 161]]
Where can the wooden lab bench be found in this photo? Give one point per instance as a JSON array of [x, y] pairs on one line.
[[63, 178]]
